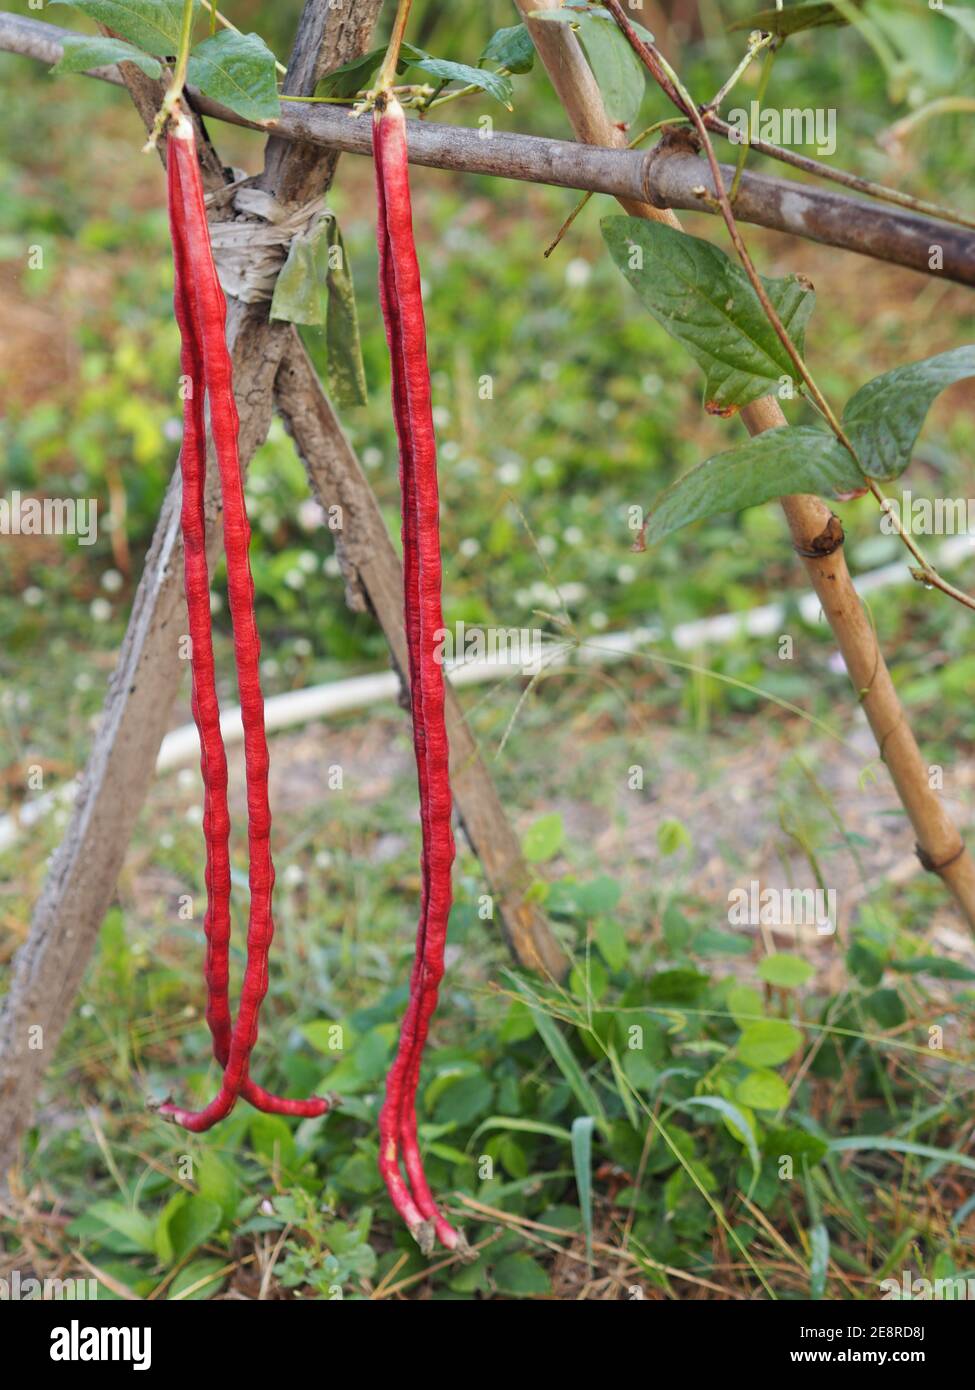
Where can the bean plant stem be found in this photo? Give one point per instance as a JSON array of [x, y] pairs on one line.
[[654, 61]]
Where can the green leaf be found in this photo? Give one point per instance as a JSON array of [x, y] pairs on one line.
[[511, 49], [672, 835], [763, 1090], [938, 966], [856, 1143], [619, 74], [706, 302], [786, 971], [818, 1260], [562, 1055], [864, 962], [965, 19], [464, 1100], [314, 288], [217, 1183], [886, 1006], [83, 52], [676, 986], [543, 839], [744, 1001], [520, 1274], [185, 1223], [238, 70], [611, 940], [272, 1139], [790, 459], [152, 25], [884, 418], [582, 1127], [738, 1122], [712, 942], [351, 77], [494, 83], [127, 1221], [199, 1280], [768, 1043], [811, 14]]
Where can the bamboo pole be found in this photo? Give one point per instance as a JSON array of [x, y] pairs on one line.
[[666, 176], [817, 534]]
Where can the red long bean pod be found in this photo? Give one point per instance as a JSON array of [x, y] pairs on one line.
[[399, 286], [201, 313]]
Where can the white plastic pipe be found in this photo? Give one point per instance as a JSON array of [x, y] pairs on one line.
[[181, 746]]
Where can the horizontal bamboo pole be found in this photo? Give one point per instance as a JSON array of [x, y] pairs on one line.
[[662, 177]]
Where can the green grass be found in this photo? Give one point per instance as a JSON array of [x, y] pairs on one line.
[[724, 1104]]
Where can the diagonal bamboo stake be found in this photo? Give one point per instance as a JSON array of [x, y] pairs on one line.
[[817, 534]]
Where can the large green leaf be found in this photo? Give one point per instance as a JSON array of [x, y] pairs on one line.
[[619, 74], [152, 25], [238, 70], [884, 418], [811, 14], [81, 52], [511, 48], [705, 301], [793, 458]]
